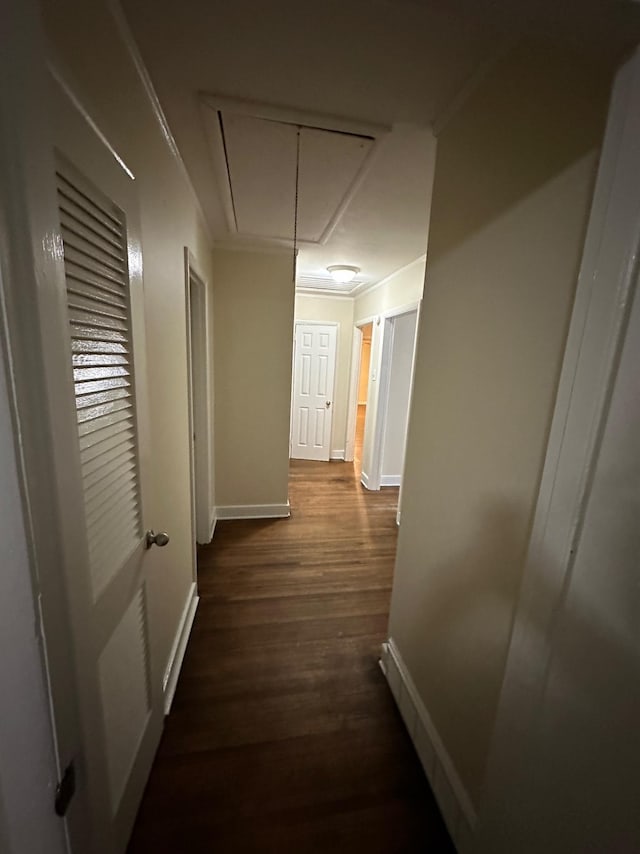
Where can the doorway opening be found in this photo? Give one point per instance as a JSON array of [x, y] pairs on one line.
[[380, 394], [199, 387], [364, 358]]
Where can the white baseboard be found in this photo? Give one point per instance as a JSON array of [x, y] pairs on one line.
[[398, 515], [212, 528], [336, 455], [179, 647], [390, 479], [364, 479], [455, 804], [254, 511]]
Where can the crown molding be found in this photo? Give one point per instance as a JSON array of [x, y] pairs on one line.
[[134, 53], [356, 293]]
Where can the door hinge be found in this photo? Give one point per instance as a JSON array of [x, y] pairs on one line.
[[65, 790]]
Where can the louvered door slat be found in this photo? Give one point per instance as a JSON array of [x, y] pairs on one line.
[[96, 268], [79, 262], [94, 212], [92, 298], [108, 457], [95, 359], [101, 431], [89, 275], [108, 501], [98, 448], [90, 426], [101, 258], [99, 372]]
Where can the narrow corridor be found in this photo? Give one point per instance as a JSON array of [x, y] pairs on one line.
[[283, 735]]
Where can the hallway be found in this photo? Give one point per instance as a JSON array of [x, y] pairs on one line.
[[283, 736]]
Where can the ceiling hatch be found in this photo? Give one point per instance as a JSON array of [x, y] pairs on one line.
[[255, 156]]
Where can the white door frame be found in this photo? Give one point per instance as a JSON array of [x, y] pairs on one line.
[[199, 393], [378, 396], [301, 322]]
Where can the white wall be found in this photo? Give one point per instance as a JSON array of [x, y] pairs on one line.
[[507, 229], [340, 311], [395, 429]]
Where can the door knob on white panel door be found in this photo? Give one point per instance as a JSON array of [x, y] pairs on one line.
[[152, 539], [328, 404]]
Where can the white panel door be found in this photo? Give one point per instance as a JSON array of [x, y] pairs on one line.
[[312, 399], [98, 414]]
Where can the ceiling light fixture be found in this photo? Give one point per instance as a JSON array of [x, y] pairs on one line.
[[342, 273]]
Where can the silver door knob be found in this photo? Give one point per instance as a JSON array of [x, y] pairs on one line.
[[328, 404], [153, 539]]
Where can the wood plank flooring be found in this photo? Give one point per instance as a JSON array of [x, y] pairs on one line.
[[283, 735]]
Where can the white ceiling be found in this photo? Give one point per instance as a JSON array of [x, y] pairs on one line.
[[391, 64]]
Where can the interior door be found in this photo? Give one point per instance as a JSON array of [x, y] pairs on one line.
[[312, 399], [98, 412]]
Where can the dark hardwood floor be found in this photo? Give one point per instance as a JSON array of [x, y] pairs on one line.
[[283, 735]]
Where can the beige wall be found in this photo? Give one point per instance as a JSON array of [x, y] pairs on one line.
[[333, 311], [253, 306], [85, 41], [514, 175]]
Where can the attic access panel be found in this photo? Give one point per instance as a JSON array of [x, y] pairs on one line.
[[261, 164], [254, 148]]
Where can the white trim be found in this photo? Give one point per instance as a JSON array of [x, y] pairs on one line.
[[178, 648], [322, 293], [390, 479], [141, 69], [199, 409], [453, 799], [212, 524], [364, 479], [254, 511], [360, 291], [336, 455]]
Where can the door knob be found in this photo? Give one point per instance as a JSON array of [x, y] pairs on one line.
[[328, 404], [153, 539]]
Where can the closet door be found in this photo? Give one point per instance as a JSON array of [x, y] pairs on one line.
[[102, 445]]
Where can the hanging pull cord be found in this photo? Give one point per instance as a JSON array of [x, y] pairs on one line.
[[295, 210]]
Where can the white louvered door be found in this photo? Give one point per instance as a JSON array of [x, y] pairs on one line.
[[100, 413]]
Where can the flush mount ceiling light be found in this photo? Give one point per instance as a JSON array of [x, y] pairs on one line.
[[342, 273]]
